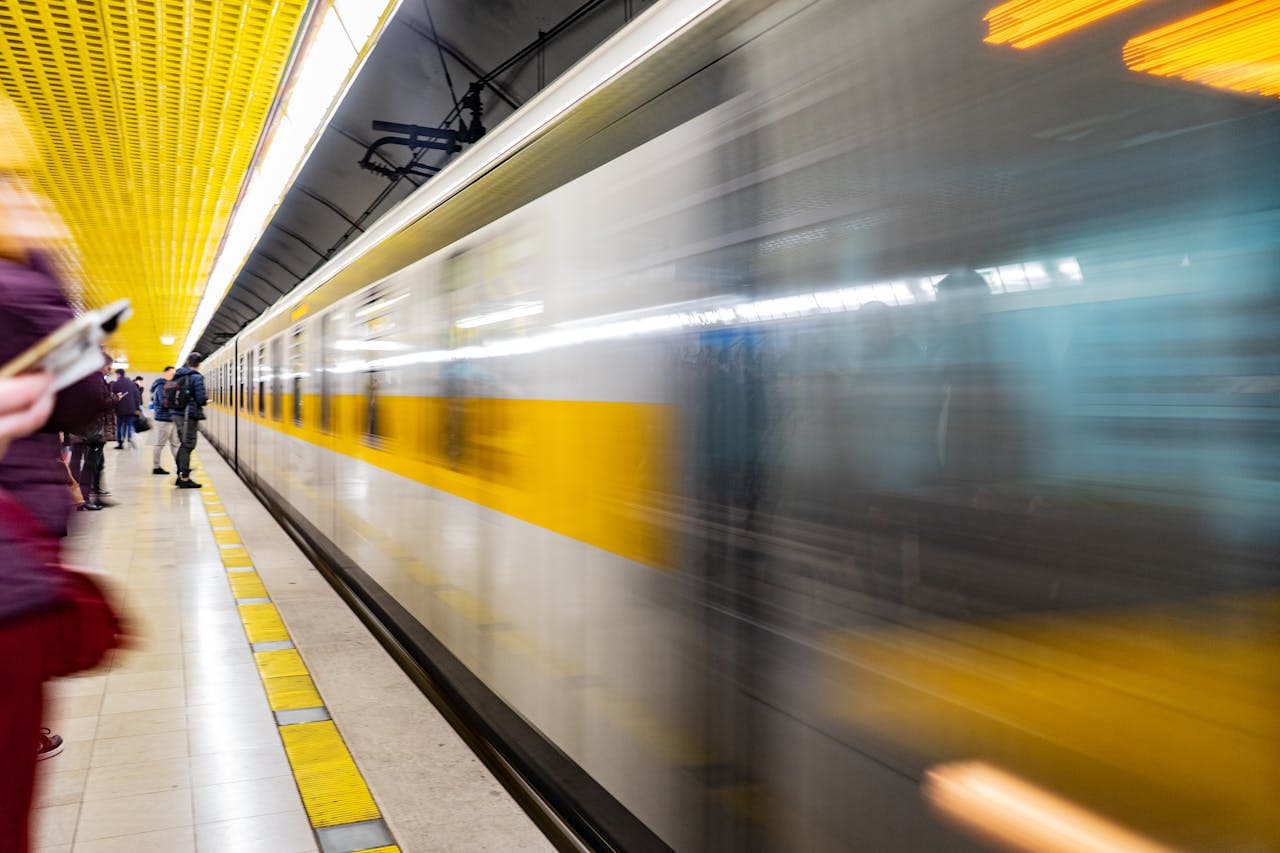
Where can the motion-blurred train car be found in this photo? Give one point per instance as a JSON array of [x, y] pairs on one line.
[[829, 425]]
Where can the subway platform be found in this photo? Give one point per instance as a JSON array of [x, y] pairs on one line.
[[253, 712]]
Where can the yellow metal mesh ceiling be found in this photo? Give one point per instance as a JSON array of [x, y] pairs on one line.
[[147, 114]]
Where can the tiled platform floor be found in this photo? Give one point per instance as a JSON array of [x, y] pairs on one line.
[[172, 747]]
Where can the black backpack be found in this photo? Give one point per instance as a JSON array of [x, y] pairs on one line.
[[177, 394]]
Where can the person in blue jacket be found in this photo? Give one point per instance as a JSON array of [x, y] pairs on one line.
[[187, 415], [165, 431]]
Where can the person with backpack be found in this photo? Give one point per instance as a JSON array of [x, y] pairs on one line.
[[185, 397], [165, 431]]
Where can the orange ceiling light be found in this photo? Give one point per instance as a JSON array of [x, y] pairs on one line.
[[1234, 46], [1026, 23], [146, 114]]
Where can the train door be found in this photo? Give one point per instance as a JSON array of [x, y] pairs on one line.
[[237, 401], [325, 472]]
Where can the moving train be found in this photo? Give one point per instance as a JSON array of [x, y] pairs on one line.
[[827, 425]]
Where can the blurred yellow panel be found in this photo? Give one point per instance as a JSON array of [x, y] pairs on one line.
[[146, 116], [1163, 718], [1234, 46], [1027, 23]]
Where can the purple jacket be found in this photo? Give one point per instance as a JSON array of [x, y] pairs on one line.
[[32, 305]]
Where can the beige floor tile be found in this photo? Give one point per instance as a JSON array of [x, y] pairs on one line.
[[55, 848], [288, 832], [142, 661], [129, 682], [115, 751], [70, 707], [149, 722], [238, 766], [85, 686], [234, 800], [144, 700], [212, 737], [58, 787], [179, 840], [54, 825], [134, 815], [76, 729], [75, 755], [239, 673], [243, 690], [146, 777]]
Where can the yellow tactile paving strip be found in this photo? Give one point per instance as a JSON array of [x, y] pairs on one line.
[[333, 791]]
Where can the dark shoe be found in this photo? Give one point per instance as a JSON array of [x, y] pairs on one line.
[[104, 503], [119, 447], [90, 507], [158, 471], [101, 492], [49, 745], [190, 484]]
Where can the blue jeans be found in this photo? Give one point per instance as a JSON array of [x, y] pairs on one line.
[[124, 428]]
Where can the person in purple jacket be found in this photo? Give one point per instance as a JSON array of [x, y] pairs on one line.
[[32, 305]]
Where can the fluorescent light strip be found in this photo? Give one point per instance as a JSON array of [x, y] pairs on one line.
[[380, 305], [524, 309], [321, 78], [651, 30]]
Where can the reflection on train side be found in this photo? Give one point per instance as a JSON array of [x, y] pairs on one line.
[[911, 407]]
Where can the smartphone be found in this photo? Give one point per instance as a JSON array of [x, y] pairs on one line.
[[74, 350]]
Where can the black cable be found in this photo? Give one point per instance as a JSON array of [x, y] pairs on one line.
[[435, 37]]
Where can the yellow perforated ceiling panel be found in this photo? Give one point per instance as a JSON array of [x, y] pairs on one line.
[[147, 113]]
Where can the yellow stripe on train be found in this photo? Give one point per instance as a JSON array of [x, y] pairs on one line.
[[593, 471]]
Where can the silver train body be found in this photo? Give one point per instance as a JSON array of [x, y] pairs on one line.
[[712, 424]]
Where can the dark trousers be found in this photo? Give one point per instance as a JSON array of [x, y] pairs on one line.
[[23, 668], [87, 462], [188, 431], [124, 428]]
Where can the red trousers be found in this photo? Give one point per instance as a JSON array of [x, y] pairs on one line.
[[23, 668]]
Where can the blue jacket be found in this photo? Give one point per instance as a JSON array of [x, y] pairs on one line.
[[157, 401], [199, 396]]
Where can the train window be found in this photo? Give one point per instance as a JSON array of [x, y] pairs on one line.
[[297, 369], [277, 378], [260, 377], [242, 381], [379, 324], [326, 404]]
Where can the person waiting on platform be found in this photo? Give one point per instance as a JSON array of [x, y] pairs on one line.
[[128, 407], [165, 431], [185, 396]]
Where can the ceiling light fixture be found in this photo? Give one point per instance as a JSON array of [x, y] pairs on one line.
[[331, 57]]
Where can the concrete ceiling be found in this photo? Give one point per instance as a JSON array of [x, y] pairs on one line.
[[404, 81]]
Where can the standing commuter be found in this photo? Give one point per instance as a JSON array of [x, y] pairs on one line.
[[186, 398], [165, 431], [87, 458], [128, 407]]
